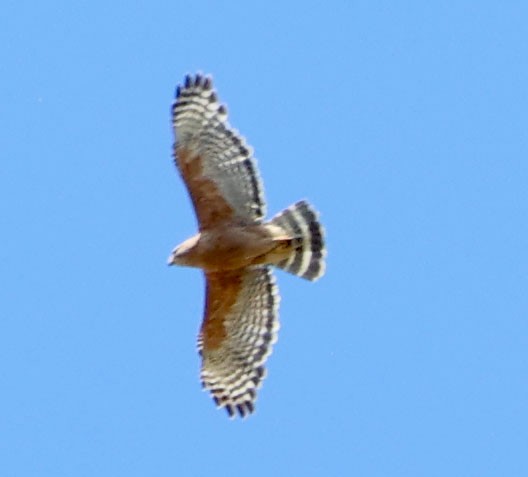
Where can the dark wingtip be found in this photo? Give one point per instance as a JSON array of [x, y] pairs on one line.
[[250, 407], [198, 80]]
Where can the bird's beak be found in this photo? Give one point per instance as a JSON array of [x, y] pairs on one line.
[[170, 261]]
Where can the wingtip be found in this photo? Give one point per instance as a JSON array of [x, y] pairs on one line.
[[198, 80], [243, 410]]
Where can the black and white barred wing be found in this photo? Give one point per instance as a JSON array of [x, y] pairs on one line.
[[239, 328], [214, 160]]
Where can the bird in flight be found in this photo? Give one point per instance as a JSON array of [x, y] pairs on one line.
[[235, 247]]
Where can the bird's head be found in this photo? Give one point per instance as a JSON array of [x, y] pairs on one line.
[[181, 255]]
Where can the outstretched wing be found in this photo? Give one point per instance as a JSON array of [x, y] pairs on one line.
[[239, 328], [213, 159]]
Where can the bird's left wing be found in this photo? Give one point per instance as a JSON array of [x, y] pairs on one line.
[[215, 162]]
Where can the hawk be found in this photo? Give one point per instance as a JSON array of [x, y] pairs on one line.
[[235, 247]]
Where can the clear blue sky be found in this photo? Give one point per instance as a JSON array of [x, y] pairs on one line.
[[405, 123]]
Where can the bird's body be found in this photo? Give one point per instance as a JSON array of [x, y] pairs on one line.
[[235, 247]]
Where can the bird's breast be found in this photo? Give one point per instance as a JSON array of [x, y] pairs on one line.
[[229, 248]]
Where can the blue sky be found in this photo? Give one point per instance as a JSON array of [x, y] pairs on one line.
[[405, 124]]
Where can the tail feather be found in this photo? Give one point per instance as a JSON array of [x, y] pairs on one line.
[[300, 221]]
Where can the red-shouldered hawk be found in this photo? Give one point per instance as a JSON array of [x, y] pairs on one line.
[[235, 247]]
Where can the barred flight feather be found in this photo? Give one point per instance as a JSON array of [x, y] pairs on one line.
[[300, 221]]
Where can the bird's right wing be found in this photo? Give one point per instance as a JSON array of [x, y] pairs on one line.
[[239, 328]]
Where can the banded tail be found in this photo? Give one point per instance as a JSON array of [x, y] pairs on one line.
[[300, 221]]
